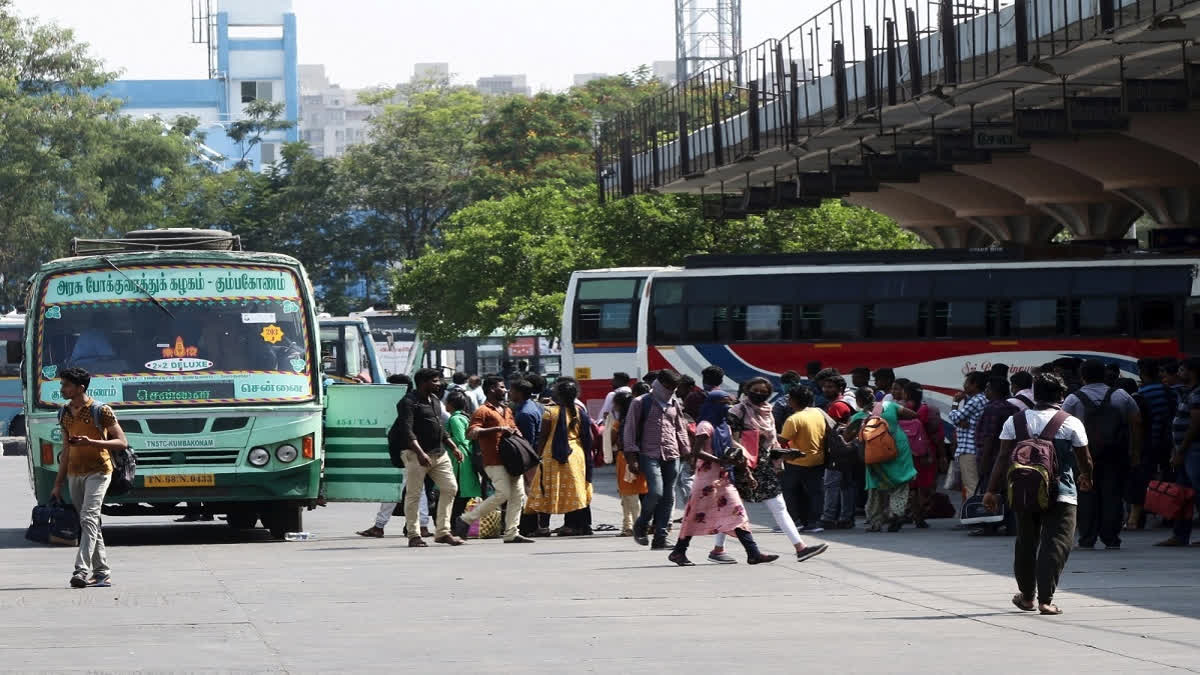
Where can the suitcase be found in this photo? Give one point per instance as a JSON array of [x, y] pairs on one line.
[[1170, 500]]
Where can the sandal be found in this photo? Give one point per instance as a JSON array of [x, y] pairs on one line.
[[605, 527], [417, 542], [375, 532], [1023, 604], [1049, 610]]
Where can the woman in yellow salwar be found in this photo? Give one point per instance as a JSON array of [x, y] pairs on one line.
[[560, 484]]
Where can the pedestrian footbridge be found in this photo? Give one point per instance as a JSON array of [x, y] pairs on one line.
[[968, 122]]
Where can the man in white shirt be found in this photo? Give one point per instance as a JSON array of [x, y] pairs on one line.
[[1044, 538], [1022, 388]]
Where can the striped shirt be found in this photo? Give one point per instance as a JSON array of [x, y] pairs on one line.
[[1183, 418], [1158, 401], [970, 411]]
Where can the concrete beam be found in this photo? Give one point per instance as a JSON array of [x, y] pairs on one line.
[[1175, 132], [966, 196], [1120, 162], [907, 209], [1037, 180]]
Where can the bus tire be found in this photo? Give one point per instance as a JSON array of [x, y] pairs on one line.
[[242, 520], [283, 518]]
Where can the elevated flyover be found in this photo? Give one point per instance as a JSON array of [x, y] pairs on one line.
[[966, 122]]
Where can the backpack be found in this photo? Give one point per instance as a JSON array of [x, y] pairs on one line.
[[1033, 467], [517, 455], [1107, 428], [876, 438], [839, 452], [124, 460], [918, 440]]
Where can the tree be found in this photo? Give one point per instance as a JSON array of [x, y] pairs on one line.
[[70, 166], [416, 170], [262, 117]]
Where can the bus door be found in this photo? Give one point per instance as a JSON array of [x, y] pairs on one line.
[[357, 465], [348, 354], [11, 344]]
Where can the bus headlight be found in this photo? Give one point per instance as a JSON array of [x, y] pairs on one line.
[[286, 453], [259, 456]]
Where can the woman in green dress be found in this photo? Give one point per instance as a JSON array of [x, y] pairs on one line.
[[469, 485], [887, 482]]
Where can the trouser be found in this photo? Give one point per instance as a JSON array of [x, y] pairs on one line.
[[744, 536], [580, 519], [442, 472], [1101, 510], [683, 484], [968, 467], [631, 508], [87, 494], [659, 500], [839, 496], [804, 493], [509, 490], [1187, 476], [386, 509], [883, 505], [1044, 541], [778, 510]]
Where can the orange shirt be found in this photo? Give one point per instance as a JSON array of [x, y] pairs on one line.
[[490, 416], [87, 459]]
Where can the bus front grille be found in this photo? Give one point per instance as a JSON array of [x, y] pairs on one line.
[[152, 458]]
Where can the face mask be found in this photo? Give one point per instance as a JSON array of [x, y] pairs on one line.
[[757, 397], [661, 392]]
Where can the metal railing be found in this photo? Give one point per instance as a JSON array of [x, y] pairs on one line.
[[840, 67]]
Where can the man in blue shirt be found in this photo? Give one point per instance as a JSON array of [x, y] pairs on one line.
[[527, 410], [1186, 456], [1156, 450]]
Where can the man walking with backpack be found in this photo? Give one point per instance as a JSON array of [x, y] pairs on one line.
[[91, 431], [1114, 425], [491, 422], [1047, 450], [655, 437]]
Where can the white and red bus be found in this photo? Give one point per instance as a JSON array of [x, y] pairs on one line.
[[931, 315]]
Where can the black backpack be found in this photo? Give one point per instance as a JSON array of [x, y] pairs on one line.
[[517, 455], [840, 454], [1107, 428], [124, 460]]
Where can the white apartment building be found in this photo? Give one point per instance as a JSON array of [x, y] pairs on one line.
[[500, 85], [331, 118]]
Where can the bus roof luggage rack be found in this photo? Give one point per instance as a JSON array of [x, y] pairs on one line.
[[166, 239], [1003, 253]]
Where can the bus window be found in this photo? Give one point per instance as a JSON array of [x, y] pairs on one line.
[[1099, 316], [668, 325], [608, 289], [605, 309], [960, 319], [762, 322], [1039, 318], [668, 292], [999, 318], [10, 353], [1156, 316], [892, 320], [706, 323], [833, 321]]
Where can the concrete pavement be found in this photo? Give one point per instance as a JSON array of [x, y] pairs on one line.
[[204, 598]]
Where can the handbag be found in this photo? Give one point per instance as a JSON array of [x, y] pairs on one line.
[[973, 511], [1170, 500], [953, 476]]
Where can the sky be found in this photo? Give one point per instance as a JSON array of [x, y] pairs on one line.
[[371, 42]]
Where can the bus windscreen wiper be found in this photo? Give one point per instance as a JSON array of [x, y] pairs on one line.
[[138, 286]]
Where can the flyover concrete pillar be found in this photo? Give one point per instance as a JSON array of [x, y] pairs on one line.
[[1160, 182]]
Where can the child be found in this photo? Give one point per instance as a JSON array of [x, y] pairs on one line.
[[629, 485]]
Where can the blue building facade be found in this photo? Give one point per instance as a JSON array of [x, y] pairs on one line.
[[253, 44]]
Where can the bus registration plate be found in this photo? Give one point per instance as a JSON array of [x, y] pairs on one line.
[[170, 480]]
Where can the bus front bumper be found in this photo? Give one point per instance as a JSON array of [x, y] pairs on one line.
[[225, 484]]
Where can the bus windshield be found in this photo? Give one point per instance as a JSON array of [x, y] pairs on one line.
[[209, 334]]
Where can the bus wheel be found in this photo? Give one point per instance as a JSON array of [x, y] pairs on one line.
[[283, 518], [243, 520]]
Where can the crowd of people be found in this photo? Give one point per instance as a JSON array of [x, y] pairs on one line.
[[678, 443]]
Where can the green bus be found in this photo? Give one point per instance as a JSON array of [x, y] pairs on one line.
[[211, 357]]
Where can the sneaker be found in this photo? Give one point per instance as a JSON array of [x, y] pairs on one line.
[[722, 558], [763, 558], [519, 540], [680, 559], [79, 580], [100, 581], [660, 545], [639, 535], [810, 552]]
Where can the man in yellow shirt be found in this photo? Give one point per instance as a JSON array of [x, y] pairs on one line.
[[87, 468], [802, 481]]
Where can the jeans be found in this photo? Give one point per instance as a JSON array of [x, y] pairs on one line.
[[804, 493], [683, 485], [658, 502], [442, 472], [1044, 541], [839, 496], [1101, 510], [510, 490], [87, 494], [1188, 476]]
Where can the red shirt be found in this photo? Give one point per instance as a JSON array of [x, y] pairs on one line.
[[840, 411], [490, 416]]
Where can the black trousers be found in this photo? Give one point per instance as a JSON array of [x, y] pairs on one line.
[[1102, 510], [1044, 541], [804, 493]]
